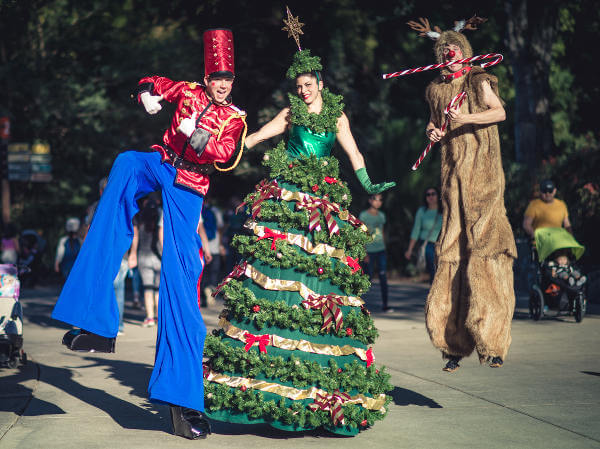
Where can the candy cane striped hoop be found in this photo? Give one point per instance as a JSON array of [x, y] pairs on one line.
[[497, 58], [456, 102]]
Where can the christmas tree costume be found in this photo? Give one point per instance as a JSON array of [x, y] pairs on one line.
[[293, 347]]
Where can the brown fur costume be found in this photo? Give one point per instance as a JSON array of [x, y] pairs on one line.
[[471, 301]]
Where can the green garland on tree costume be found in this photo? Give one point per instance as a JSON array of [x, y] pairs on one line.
[[301, 373], [260, 406], [240, 301], [307, 172], [288, 256]]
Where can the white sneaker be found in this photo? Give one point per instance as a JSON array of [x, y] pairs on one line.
[[210, 300], [149, 322]]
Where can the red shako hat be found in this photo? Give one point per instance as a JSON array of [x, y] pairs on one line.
[[218, 52]]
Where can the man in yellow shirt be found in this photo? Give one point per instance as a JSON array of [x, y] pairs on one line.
[[547, 211]]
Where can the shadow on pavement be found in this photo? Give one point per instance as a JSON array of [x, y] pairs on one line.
[[124, 413], [265, 431], [403, 397]]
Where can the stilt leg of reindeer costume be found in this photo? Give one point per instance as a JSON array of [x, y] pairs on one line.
[[471, 302]]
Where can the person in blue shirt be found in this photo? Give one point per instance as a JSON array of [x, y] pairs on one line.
[[426, 228], [375, 220]]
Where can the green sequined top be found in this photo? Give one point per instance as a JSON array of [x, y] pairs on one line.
[[303, 142]]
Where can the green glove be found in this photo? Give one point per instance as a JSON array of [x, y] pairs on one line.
[[369, 187]]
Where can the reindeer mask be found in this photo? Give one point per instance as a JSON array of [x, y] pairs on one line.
[[450, 37]]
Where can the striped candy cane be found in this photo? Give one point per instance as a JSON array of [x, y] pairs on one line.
[[498, 58], [457, 102]]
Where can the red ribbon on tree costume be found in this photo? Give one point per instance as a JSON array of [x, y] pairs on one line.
[[262, 340], [332, 403], [317, 207], [370, 357], [314, 205], [329, 308], [267, 190], [238, 270], [353, 263], [270, 234]]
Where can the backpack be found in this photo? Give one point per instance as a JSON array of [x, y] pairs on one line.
[[72, 247], [210, 222]]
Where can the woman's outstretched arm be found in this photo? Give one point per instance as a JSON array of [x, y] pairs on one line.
[[346, 140], [273, 128]]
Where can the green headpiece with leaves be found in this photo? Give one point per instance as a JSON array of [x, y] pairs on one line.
[[303, 62]]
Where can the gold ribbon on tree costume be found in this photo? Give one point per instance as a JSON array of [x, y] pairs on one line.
[[322, 398], [301, 242], [245, 269], [301, 345]]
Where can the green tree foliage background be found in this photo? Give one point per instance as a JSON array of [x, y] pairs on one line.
[[68, 67]]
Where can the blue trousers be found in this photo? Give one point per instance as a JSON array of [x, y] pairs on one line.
[[379, 258], [119, 286], [88, 297]]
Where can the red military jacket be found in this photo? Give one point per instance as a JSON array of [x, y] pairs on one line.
[[225, 122]]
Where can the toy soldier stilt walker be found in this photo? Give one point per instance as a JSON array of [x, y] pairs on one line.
[[204, 133]]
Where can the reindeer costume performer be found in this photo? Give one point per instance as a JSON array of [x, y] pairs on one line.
[[471, 301]]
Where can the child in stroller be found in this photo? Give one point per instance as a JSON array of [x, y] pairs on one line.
[[11, 318], [558, 268], [560, 286]]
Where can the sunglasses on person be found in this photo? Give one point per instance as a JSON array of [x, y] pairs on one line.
[[547, 190], [431, 194]]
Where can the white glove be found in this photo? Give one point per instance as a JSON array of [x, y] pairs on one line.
[[151, 102], [188, 125]]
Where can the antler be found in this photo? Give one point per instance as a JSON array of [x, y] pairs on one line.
[[473, 22], [424, 28]]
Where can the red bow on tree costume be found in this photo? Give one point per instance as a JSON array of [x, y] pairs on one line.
[[267, 191], [270, 234], [353, 264], [262, 340], [238, 271], [333, 403], [329, 308], [316, 207]]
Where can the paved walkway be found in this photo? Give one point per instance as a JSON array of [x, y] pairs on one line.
[[546, 396]]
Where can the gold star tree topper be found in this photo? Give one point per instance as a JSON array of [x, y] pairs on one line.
[[293, 26]]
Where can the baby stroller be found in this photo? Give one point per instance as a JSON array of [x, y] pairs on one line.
[[11, 318], [551, 292]]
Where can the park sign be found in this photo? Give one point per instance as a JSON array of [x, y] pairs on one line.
[[29, 163]]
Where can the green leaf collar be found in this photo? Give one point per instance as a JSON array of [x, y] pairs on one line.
[[325, 121]]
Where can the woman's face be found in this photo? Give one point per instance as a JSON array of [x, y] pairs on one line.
[[308, 89], [432, 197]]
